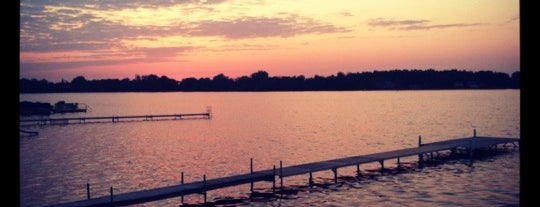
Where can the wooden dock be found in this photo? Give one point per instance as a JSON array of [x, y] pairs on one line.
[[201, 187], [113, 119]]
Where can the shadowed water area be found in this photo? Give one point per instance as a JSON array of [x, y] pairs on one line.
[[295, 127]]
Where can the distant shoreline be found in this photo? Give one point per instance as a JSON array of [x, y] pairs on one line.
[[396, 90], [260, 81]]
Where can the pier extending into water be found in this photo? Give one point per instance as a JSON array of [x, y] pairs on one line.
[[468, 144], [113, 119]]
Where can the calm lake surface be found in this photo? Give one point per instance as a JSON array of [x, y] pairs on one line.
[[295, 127]]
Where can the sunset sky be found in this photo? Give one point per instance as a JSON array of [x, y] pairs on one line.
[[190, 38]]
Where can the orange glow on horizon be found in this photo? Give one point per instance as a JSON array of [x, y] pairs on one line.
[[237, 38]]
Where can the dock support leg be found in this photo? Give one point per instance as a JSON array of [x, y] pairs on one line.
[[111, 194], [182, 182], [88, 190], [382, 166], [420, 156], [310, 179], [358, 174], [281, 175], [204, 189], [274, 181], [251, 172], [398, 163], [471, 151], [335, 174]]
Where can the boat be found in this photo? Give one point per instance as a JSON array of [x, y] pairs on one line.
[[63, 107], [35, 108]]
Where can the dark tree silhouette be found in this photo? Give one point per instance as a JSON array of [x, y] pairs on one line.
[[261, 81]]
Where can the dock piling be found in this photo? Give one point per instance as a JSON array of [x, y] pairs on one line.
[[474, 133], [111, 190], [88, 191], [274, 180], [358, 174], [182, 183], [420, 156], [335, 174], [251, 172], [382, 166], [204, 188], [281, 175], [471, 151], [310, 179]]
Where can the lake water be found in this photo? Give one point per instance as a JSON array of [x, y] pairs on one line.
[[294, 127]]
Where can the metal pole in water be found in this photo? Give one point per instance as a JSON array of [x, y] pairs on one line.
[[182, 182], [274, 181], [204, 188], [382, 166], [88, 190], [281, 175], [358, 174], [398, 163], [420, 156], [335, 174], [474, 133], [111, 194], [471, 151], [251, 172], [310, 179]]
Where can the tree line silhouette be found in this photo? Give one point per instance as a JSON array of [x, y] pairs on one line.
[[261, 81]]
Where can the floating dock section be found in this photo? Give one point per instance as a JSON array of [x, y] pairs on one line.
[[468, 144]]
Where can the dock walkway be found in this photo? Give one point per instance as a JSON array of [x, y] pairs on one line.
[[201, 187], [114, 119]]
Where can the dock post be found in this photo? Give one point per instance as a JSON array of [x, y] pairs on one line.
[[471, 151], [420, 156], [310, 179], [204, 189], [474, 133], [358, 174], [398, 163], [111, 194], [335, 174], [274, 180], [182, 182], [251, 172], [382, 166], [88, 190], [281, 175]]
